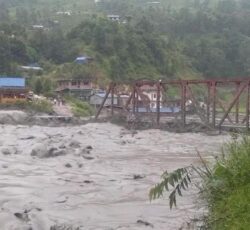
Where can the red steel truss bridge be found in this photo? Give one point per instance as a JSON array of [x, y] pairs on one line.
[[214, 103]]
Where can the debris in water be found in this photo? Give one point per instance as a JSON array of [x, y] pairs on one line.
[[145, 223], [75, 144], [68, 165], [137, 176], [89, 147], [22, 216], [88, 181], [79, 165], [27, 138], [62, 199], [88, 158]]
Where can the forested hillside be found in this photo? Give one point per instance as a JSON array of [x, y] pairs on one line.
[[166, 39]]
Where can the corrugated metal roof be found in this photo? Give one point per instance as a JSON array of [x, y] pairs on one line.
[[175, 109], [83, 58], [103, 95], [10, 82]]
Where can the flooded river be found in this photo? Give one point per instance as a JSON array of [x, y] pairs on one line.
[[94, 176]]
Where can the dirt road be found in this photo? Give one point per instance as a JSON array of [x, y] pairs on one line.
[[62, 110]]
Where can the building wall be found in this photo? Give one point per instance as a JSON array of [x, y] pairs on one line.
[[97, 100], [122, 100], [7, 100], [12, 95], [152, 95], [71, 85]]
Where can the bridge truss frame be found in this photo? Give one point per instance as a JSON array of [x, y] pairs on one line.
[[239, 89]]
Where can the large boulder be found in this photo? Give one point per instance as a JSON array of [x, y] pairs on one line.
[[9, 151], [75, 144], [42, 151]]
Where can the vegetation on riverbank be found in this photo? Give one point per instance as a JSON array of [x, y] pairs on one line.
[[80, 108], [39, 106], [226, 187]]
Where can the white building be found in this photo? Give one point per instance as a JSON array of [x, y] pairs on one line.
[[41, 27], [36, 68], [114, 17], [68, 13], [151, 93]]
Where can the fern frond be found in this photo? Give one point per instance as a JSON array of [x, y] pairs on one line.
[[179, 180]]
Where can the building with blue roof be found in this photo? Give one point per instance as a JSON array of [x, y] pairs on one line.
[[12, 82]]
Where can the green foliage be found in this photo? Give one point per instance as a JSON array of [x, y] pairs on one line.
[[38, 86], [40, 106], [166, 40], [226, 187], [41, 85], [80, 108], [174, 182], [228, 191], [124, 51]]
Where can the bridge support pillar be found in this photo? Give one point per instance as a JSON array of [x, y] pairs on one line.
[[208, 101], [237, 105], [213, 85], [103, 102], [158, 101], [247, 106], [134, 98], [183, 102], [112, 99]]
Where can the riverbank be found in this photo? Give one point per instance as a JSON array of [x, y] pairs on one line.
[[227, 190]]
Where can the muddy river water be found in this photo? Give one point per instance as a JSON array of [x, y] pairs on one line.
[[85, 177]]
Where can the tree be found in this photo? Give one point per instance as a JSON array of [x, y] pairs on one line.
[[47, 85], [5, 54], [4, 12], [38, 86]]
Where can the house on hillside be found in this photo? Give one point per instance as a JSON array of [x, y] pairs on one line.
[[114, 17], [154, 3], [151, 94], [12, 89], [79, 88], [67, 13], [31, 67], [38, 27], [83, 60]]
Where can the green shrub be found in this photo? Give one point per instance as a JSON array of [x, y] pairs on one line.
[[226, 187], [40, 106], [228, 190], [30, 106], [80, 108]]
